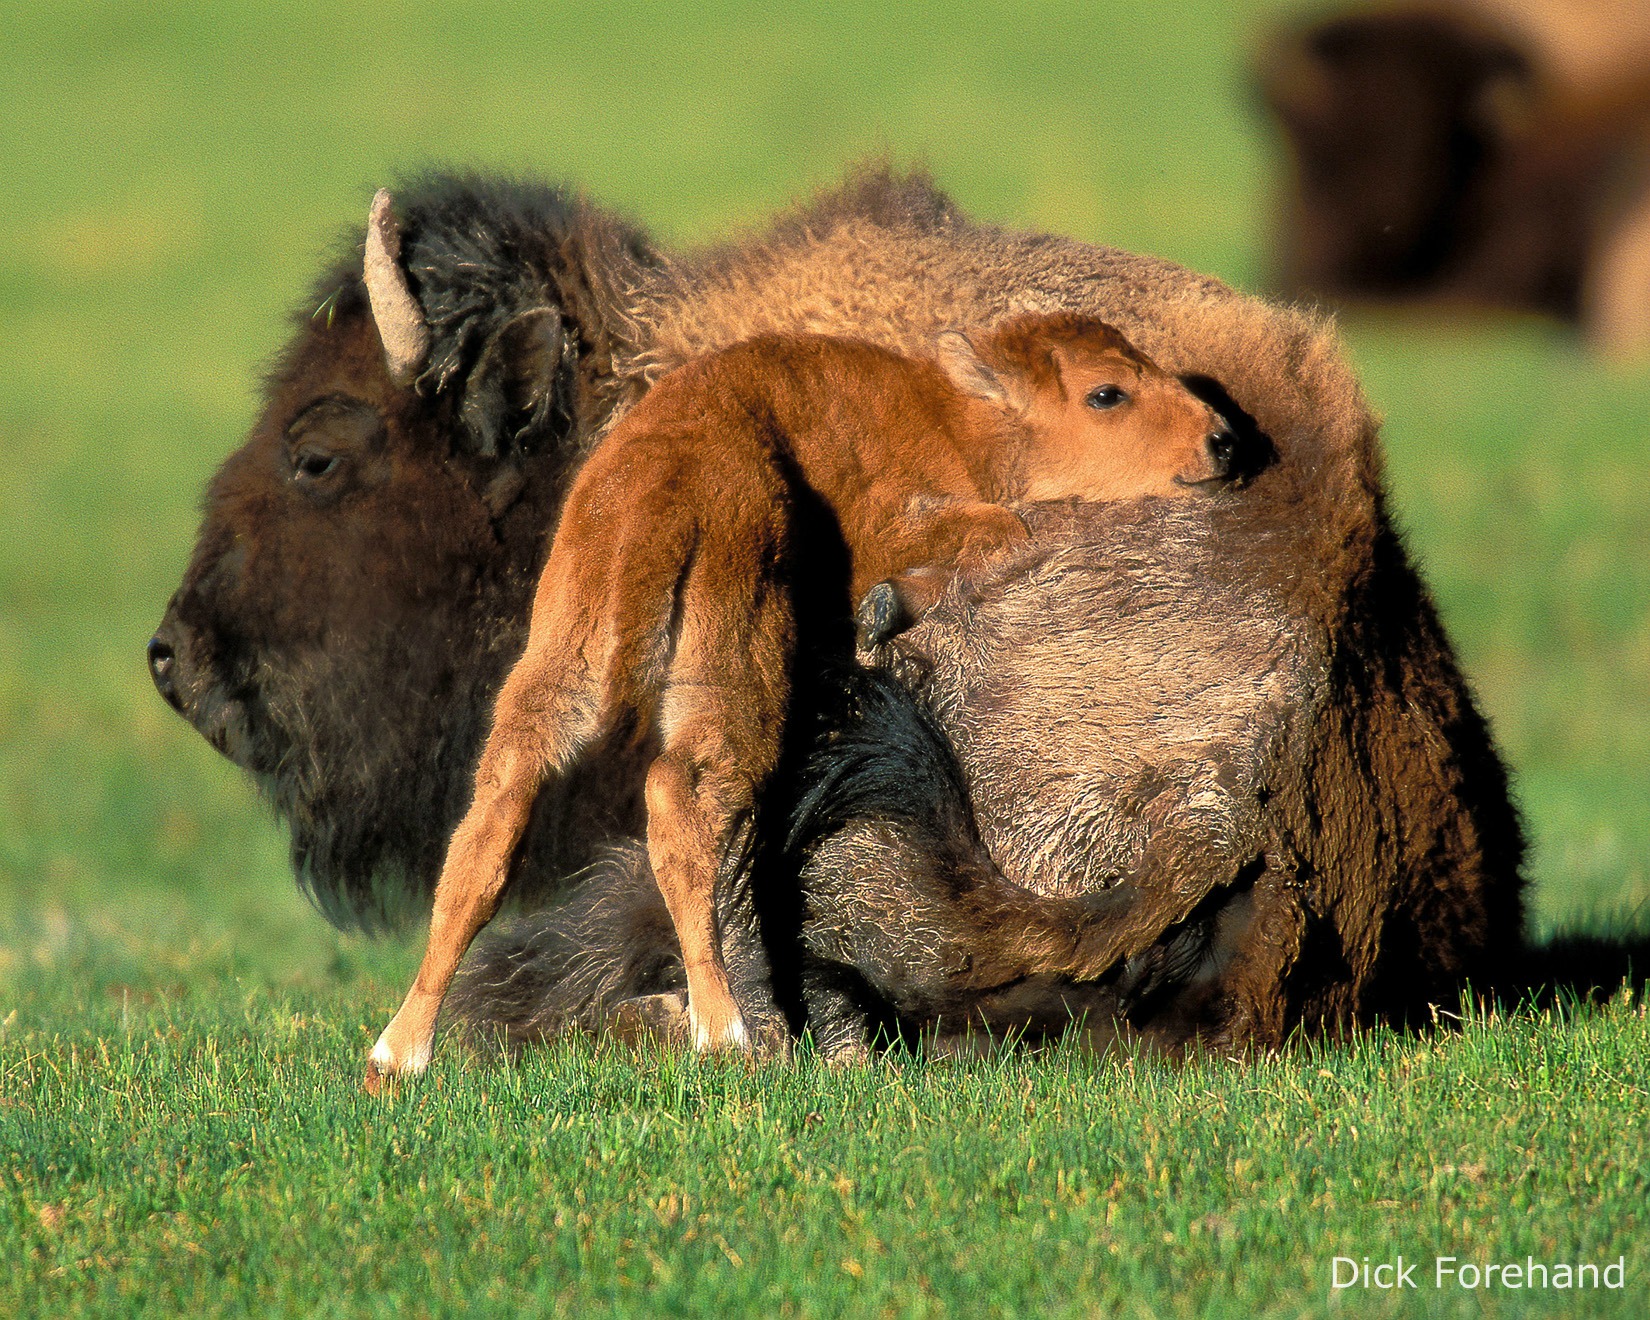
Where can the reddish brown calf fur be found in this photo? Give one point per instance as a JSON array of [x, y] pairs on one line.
[[674, 592]]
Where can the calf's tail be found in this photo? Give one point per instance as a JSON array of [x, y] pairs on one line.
[[601, 634]]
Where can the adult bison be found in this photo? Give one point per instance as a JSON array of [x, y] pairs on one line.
[[1316, 826], [1483, 151]]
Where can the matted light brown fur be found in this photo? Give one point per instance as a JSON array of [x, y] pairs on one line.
[[690, 565]]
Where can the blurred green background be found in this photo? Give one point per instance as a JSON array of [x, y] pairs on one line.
[[175, 173]]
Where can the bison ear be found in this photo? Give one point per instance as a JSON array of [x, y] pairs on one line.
[[968, 370], [395, 311], [1293, 79], [521, 386]]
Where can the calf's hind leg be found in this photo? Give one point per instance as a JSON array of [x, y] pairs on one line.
[[693, 812], [721, 722]]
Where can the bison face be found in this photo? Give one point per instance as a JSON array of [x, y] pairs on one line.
[[364, 569], [355, 591], [324, 531]]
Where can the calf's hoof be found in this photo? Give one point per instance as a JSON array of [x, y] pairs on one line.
[[721, 1034], [882, 615], [390, 1062], [378, 1081]]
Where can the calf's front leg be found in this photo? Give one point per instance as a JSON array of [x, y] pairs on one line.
[[958, 540]]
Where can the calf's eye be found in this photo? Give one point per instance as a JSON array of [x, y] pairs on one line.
[[1106, 396]]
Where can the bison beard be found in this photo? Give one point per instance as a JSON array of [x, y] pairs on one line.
[[1311, 810]]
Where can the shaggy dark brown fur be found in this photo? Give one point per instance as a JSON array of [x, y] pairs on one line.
[[1225, 774], [362, 699]]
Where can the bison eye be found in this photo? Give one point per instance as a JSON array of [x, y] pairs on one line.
[[1106, 396], [313, 466], [330, 444]]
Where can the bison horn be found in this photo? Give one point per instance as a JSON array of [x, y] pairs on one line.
[[400, 319]]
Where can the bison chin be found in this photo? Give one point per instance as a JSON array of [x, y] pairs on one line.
[[365, 751], [366, 748], [218, 716], [370, 772]]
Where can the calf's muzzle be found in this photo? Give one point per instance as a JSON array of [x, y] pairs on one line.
[[1222, 446]]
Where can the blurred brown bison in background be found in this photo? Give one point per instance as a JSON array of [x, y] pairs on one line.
[[1491, 152], [1332, 822]]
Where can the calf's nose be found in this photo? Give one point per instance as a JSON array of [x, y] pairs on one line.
[[162, 663], [1222, 449]]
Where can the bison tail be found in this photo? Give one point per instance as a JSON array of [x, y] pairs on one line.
[[566, 969], [882, 808]]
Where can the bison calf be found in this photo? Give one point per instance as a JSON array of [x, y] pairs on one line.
[[709, 547]]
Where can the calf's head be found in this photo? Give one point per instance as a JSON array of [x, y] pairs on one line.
[[1104, 421], [366, 557]]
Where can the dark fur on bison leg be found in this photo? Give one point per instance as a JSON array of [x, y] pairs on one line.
[[661, 1019], [567, 968], [606, 960], [847, 1019]]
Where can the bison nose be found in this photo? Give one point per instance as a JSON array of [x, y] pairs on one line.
[[161, 666], [1222, 447]]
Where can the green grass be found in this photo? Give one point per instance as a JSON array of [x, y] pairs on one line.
[[193, 1155], [179, 1125]]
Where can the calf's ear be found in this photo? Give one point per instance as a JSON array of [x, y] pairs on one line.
[[969, 372]]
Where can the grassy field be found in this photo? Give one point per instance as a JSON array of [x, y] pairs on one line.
[[180, 1036]]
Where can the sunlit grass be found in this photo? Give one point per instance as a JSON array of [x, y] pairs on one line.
[[211, 1152]]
